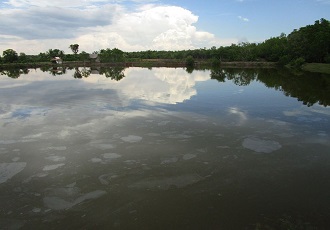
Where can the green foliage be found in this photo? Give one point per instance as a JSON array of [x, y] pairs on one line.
[[215, 62], [112, 55], [273, 49], [23, 58], [51, 53], [9, 56], [311, 42], [284, 60], [83, 56], [190, 62], [297, 63]]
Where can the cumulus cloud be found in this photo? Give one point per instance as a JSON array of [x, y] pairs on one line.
[[98, 24]]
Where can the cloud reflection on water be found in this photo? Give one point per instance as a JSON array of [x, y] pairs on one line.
[[161, 85]]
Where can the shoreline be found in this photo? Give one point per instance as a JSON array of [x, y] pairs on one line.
[[142, 63], [322, 68]]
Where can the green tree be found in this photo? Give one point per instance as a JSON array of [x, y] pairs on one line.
[[22, 57], [74, 48], [83, 56], [112, 55], [51, 53], [9, 56], [311, 42], [273, 49]]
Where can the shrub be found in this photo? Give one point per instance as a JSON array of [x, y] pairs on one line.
[[190, 62], [297, 63]]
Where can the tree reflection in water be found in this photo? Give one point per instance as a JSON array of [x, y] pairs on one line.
[[80, 73], [309, 88], [14, 72], [114, 73]]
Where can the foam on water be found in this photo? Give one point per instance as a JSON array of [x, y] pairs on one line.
[[260, 145], [96, 160], [131, 138], [8, 170], [67, 201], [52, 167], [169, 160], [56, 158], [188, 156], [111, 155]]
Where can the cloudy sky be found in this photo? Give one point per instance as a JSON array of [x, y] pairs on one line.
[[34, 26]]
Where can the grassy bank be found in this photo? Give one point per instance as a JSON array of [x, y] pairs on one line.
[[317, 67]]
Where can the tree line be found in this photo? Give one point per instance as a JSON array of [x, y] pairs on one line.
[[307, 44]]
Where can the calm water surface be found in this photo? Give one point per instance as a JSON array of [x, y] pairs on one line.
[[163, 148]]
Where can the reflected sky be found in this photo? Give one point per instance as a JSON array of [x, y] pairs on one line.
[[131, 147]]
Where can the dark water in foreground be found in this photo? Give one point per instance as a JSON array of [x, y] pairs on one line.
[[164, 149]]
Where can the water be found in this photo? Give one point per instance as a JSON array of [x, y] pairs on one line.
[[163, 148]]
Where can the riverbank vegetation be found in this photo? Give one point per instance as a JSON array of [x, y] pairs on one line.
[[309, 44]]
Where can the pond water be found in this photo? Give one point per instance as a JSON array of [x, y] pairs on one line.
[[164, 148]]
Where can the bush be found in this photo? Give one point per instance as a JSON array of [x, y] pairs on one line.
[[190, 62], [297, 63], [215, 62], [284, 60]]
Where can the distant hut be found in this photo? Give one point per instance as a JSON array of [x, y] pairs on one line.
[[56, 60], [94, 58]]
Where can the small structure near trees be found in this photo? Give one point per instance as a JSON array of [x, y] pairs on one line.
[[94, 58], [56, 60]]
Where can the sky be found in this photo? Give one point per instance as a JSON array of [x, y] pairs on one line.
[[34, 26]]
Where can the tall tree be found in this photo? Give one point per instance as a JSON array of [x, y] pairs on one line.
[[74, 48], [10, 55]]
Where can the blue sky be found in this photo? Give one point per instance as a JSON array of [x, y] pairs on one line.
[[34, 26], [263, 18]]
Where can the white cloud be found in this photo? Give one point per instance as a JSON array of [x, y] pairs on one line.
[[243, 19], [99, 24]]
